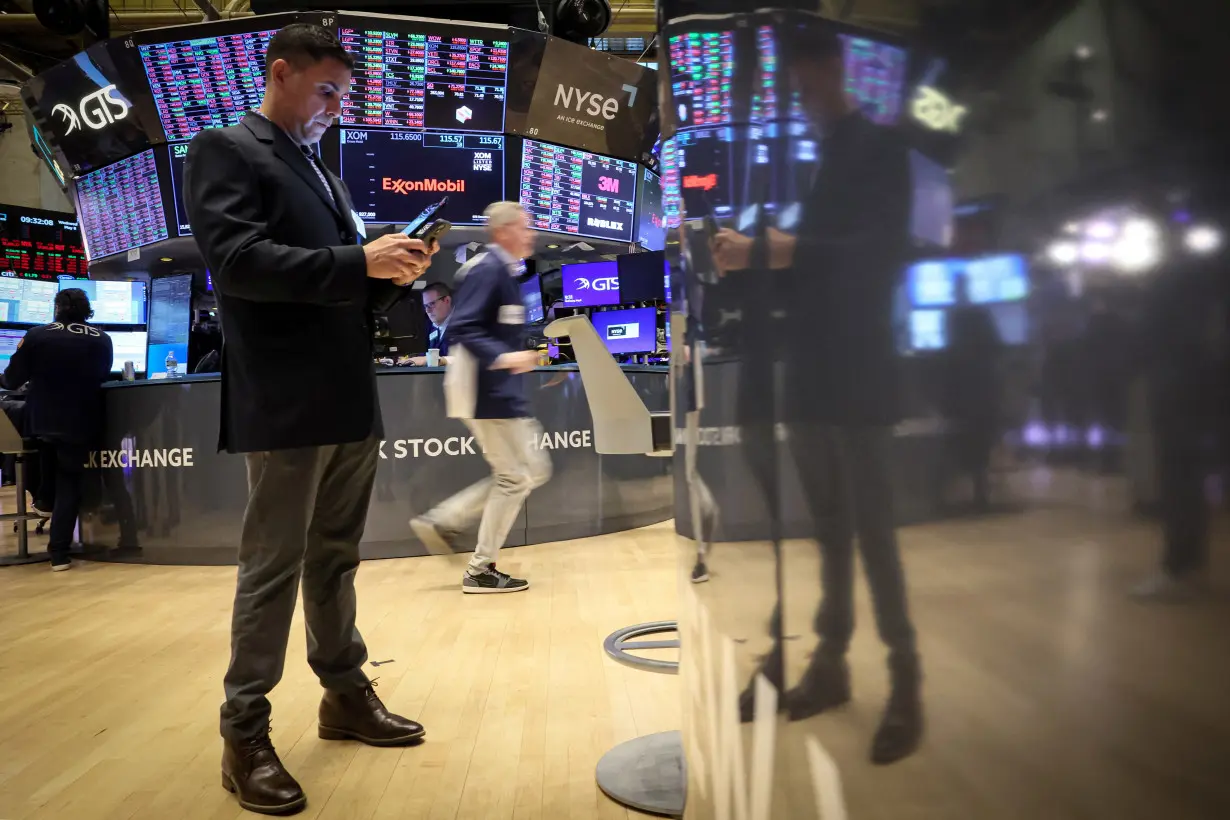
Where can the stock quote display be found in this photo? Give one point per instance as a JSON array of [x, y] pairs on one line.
[[703, 66], [206, 82], [434, 78], [179, 156], [129, 188], [572, 191], [875, 77], [393, 175], [37, 244]]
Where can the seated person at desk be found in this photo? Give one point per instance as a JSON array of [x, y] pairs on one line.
[[438, 303], [65, 364]]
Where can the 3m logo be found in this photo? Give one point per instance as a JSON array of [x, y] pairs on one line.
[[603, 284], [588, 102], [704, 183], [608, 185], [411, 186], [98, 110]]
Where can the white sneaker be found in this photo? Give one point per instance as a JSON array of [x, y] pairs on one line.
[[67, 565], [1164, 588]]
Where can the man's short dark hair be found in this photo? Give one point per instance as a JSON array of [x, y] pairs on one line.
[[73, 306], [440, 289], [304, 44]]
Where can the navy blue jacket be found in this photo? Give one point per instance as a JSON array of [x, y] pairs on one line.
[[439, 339], [65, 366], [488, 320]]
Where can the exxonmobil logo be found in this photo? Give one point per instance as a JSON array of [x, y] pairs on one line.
[[706, 183], [410, 186]]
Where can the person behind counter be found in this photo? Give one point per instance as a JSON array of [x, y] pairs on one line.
[[64, 364], [438, 304], [296, 292], [484, 388]]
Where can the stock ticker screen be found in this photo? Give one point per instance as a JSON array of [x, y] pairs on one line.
[[573, 191], [37, 244], [875, 77], [179, 156], [393, 175], [703, 71], [206, 82], [436, 78], [128, 187]]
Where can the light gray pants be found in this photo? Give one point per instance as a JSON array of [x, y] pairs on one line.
[[306, 512], [517, 468]]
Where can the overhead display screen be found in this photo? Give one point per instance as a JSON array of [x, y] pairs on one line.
[[590, 284], [572, 95], [94, 107], [706, 163], [875, 77], [120, 206], [179, 156], [573, 191], [650, 227], [206, 82], [394, 175], [425, 75], [39, 244], [702, 77], [27, 301], [114, 302]]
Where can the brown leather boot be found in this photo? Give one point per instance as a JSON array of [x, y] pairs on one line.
[[252, 772], [358, 714]]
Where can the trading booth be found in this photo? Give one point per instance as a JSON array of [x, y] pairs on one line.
[[474, 112]]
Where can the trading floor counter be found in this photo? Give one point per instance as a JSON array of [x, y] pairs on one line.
[[160, 493]]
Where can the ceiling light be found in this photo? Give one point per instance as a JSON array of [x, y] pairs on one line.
[[1063, 253], [1083, 52], [1203, 239], [166, 259]]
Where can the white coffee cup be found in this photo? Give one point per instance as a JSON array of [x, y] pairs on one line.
[[433, 357]]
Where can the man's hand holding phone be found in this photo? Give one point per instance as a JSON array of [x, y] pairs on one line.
[[398, 258]]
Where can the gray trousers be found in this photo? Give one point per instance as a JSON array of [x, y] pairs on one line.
[[517, 468], [306, 512]]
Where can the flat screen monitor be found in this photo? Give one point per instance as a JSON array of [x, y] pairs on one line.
[[394, 175], [95, 107], [170, 321], [927, 329], [531, 297], [128, 346], [650, 227], [707, 166], [120, 206], [27, 301], [590, 284], [206, 78], [40, 244], [565, 93], [634, 330], [178, 154], [933, 282], [9, 339], [875, 77], [642, 276], [931, 218], [568, 190], [1000, 278], [414, 74], [114, 303], [702, 78]]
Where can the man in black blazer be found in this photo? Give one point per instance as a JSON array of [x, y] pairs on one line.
[[295, 290]]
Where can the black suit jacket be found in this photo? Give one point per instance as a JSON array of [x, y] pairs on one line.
[[292, 287]]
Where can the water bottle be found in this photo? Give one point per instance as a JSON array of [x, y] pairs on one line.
[[172, 366]]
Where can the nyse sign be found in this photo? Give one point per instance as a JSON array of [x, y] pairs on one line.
[[96, 110], [936, 111]]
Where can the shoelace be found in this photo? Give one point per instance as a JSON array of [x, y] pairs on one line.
[[260, 743]]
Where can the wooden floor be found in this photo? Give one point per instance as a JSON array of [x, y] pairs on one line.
[[1049, 694]]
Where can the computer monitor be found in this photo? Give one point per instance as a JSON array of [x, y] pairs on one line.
[[933, 282], [590, 284], [27, 301], [642, 276], [114, 303], [633, 330], [650, 225], [170, 321], [568, 190], [999, 278], [531, 297], [9, 339], [128, 346], [120, 206], [927, 329]]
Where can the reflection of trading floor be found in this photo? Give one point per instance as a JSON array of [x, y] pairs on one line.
[[1050, 696]]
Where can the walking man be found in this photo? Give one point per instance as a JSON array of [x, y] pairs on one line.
[[294, 284], [484, 387]]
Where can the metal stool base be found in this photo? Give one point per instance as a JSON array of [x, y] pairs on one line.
[[20, 560], [647, 774]]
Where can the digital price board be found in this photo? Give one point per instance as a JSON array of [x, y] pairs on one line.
[[206, 82], [702, 78], [37, 244], [120, 206], [393, 175], [573, 191], [430, 77]]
